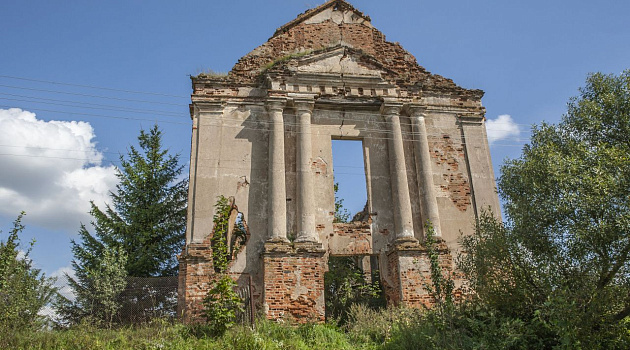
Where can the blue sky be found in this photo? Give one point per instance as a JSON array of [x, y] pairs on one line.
[[105, 69]]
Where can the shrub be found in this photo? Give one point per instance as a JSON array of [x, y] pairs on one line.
[[24, 290]]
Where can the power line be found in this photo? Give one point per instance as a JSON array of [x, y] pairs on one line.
[[51, 157], [174, 114], [57, 149], [218, 123], [93, 96], [127, 109], [92, 87], [122, 109], [137, 92], [101, 115]]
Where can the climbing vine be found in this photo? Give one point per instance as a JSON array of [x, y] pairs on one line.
[[441, 287], [222, 303]]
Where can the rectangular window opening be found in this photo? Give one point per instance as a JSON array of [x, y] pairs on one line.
[[350, 181]]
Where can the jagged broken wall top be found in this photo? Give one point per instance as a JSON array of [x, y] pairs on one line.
[[337, 24]]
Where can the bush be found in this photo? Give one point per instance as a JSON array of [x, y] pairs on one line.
[[24, 290], [221, 305]]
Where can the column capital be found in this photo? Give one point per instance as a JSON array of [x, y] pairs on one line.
[[275, 104], [391, 108], [304, 104], [214, 107], [416, 110]]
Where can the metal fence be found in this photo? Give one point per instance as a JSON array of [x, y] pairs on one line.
[[247, 315], [142, 300]]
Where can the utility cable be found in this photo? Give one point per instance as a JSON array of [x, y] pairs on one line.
[[91, 86]]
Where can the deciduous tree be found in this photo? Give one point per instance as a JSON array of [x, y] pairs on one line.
[[24, 289], [562, 258]]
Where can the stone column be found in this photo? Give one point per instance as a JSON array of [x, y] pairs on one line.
[[306, 199], [423, 164], [400, 188], [277, 211]]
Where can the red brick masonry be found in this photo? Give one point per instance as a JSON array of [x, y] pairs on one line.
[[294, 281]]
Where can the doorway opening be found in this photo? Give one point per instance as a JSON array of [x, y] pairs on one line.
[[351, 280]]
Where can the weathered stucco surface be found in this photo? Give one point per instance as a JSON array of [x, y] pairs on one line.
[[262, 135]]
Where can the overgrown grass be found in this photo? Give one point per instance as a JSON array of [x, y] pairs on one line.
[[164, 335], [466, 327]]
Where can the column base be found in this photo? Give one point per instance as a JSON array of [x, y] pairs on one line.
[[409, 242], [294, 281], [307, 239]]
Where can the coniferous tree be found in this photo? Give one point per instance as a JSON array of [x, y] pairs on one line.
[[145, 223], [147, 217]]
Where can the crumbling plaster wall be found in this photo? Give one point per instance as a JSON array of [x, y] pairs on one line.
[[335, 58], [230, 157]]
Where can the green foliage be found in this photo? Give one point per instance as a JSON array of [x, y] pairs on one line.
[[222, 303], [345, 285], [342, 214], [97, 290], [220, 252], [561, 263], [24, 290], [209, 73], [284, 59], [164, 335], [441, 287], [148, 213], [107, 282], [144, 228], [367, 325]]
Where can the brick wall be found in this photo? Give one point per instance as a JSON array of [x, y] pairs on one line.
[[402, 66], [411, 271], [448, 155], [294, 284], [196, 271], [354, 238]]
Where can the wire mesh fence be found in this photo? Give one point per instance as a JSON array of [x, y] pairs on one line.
[[141, 300]]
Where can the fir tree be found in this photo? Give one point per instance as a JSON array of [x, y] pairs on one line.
[[141, 232], [147, 218]]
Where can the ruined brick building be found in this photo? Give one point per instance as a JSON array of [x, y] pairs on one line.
[[262, 136]]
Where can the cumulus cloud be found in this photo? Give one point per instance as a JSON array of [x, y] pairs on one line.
[[62, 276], [501, 128], [50, 169]]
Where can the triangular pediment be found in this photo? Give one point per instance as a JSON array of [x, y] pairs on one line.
[[335, 11], [335, 62], [318, 36]]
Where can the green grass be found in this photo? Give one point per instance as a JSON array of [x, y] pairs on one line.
[[163, 335]]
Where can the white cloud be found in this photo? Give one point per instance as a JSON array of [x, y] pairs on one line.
[[61, 275], [21, 254], [51, 170], [501, 128]]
